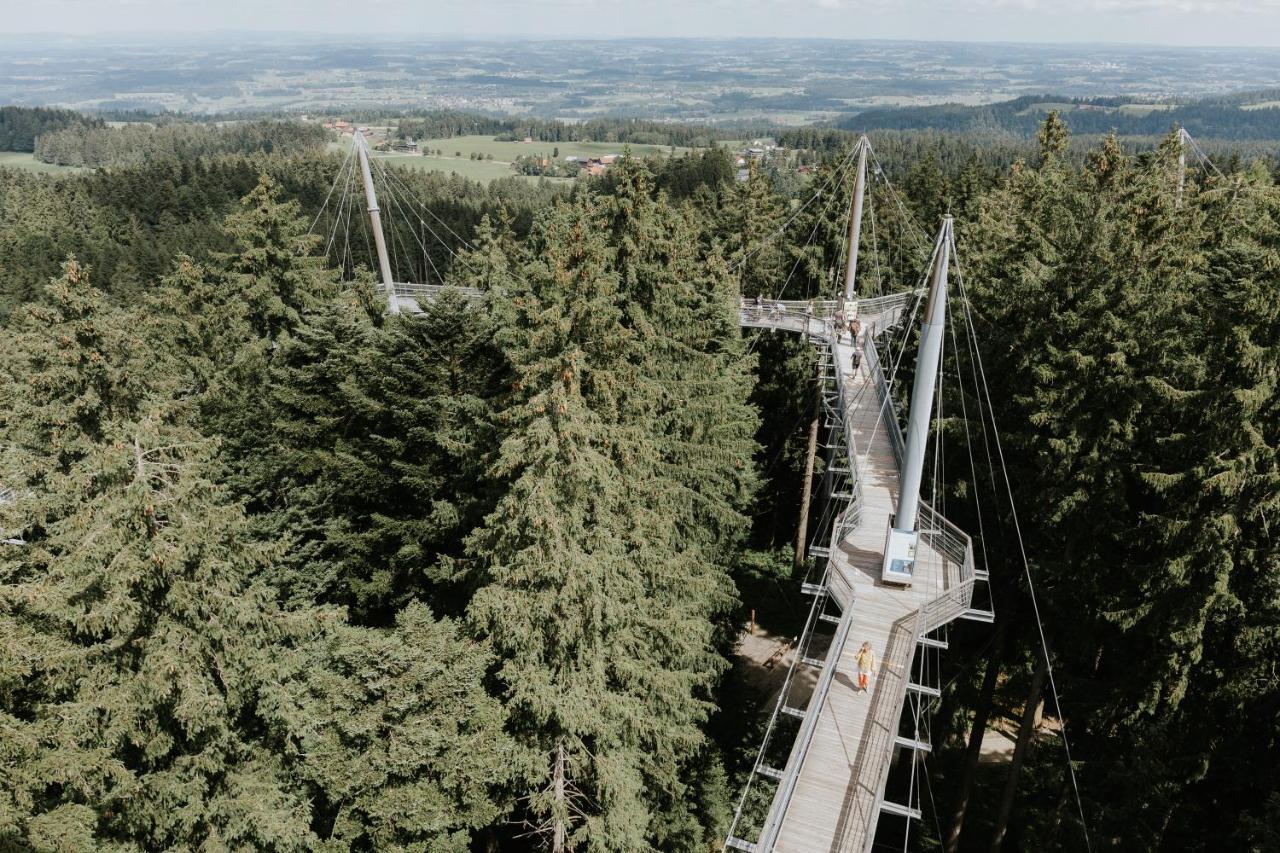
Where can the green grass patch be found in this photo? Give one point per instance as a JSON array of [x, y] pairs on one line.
[[28, 163], [458, 151]]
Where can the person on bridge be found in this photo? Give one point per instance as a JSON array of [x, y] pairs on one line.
[[866, 663]]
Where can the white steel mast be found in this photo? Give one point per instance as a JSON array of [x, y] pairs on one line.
[[375, 219]]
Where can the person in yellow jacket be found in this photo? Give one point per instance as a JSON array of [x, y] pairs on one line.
[[866, 664]]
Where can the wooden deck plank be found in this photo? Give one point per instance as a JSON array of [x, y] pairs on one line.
[[832, 807]]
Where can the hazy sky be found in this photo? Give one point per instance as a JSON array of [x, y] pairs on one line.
[[1178, 22]]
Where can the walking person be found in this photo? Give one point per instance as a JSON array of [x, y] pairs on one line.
[[866, 664]]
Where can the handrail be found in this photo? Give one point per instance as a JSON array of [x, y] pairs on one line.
[[947, 540], [843, 523], [906, 633], [871, 353], [411, 288]]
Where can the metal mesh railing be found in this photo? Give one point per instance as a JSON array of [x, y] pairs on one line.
[[888, 411], [428, 292], [881, 727]]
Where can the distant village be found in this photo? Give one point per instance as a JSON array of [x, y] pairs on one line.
[[552, 165]]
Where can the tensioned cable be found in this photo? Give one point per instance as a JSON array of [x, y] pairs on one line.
[[1026, 565], [395, 200], [968, 441], [341, 169], [431, 213], [342, 203], [787, 223], [921, 236]]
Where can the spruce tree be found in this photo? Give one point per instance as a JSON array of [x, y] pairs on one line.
[[600, 619], [134, 633], [153, 694]]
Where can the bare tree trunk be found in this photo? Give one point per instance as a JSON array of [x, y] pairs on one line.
[[1025, 729], [802, 529], [559, 816], [973, 751]]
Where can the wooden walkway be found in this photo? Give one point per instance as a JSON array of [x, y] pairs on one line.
[[835, 804], [830, 794]]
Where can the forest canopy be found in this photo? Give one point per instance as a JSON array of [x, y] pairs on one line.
[[296, 573]]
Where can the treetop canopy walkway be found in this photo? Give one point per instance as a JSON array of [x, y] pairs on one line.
[[895, 571]]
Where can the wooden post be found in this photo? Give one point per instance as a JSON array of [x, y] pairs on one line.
[[1025, 730], [560, 806], [752, 630], [802, 528], [973, 752]]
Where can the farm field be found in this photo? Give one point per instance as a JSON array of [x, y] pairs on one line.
[[458, 150], [28, 163]]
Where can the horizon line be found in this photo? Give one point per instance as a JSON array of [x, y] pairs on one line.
[[400, 36]]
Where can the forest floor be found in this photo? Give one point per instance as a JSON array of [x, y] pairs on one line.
[[763, 659]]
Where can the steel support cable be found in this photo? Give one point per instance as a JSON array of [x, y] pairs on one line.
[[787, 222], [328, 195], [389, 177], [1026, 566], [366, 228], [405, 188], [751, 346], [399, 207], [813, 233], [886, 407], [395, 200], [968, 442], [933, 805], [342, 203], [348, 258], [875, 245], [920, 235]]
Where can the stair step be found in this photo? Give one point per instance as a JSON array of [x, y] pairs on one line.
[[739, 844], [820, 551], [827, 617], [771, 772], [901, 811], [816, 663], [979, 615], [924, 689], [933, 643], [813, 589], [908, 743], [793, 712]]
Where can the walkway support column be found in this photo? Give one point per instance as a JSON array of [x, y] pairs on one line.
[[855, 219], [375, 220], [926, 381], [802, 527], [900, 545], [1182, 164]]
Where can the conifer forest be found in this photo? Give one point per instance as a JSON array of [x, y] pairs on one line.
[[287, 572]]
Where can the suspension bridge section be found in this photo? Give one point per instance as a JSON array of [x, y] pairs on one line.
[[829, 794], [895, 572]]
